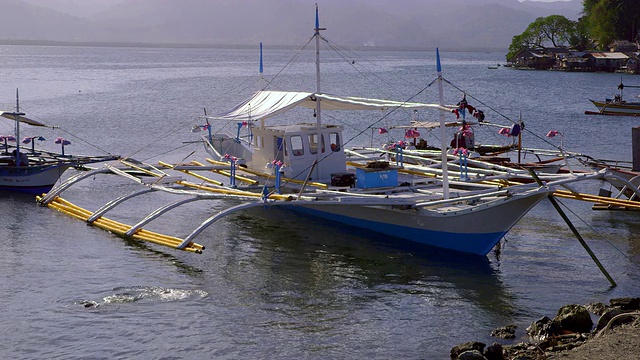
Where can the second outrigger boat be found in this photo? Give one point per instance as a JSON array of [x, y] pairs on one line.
[[618, 105], [31, 170]]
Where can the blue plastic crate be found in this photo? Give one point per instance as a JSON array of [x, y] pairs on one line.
[[374, 178]]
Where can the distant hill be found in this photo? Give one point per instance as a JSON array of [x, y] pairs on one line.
[[77, 8], [452, 24]]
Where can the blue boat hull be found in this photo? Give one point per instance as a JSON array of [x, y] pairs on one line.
[[474, 231]]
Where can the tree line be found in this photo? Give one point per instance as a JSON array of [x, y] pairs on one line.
[[602, 22]]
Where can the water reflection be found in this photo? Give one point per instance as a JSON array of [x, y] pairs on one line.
[[303, 267], [623, 233]]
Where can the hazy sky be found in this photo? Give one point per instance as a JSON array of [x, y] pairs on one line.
[[418, 23]]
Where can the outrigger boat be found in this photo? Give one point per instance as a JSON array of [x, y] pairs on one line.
[[313, 176], [304, 167], [617, 105], [32, 170]]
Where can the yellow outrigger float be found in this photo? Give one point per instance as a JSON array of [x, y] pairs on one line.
[[121, 229]]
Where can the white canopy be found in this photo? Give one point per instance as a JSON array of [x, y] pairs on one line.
[[11, 115], [265, 104]]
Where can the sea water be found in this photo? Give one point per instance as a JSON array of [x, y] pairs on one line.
[[272, 285]]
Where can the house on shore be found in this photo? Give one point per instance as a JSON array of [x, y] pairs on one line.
[[533, 59], [606, 61], [574, 61], [625, 58]]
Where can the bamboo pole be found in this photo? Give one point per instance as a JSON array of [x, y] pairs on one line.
[[597, 199], [201, 177], [575, 231], [227, 173], [265, 175]]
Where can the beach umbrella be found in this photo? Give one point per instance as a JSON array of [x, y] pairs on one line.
[[30, 139], [553, 133], [6, 138], [62, 142], [411, 134]]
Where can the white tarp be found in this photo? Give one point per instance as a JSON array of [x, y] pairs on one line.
[[10, 115], [265, 104]]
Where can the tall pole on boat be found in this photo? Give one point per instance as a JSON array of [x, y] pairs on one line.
[[318, 91], [208, 127], [261, 67], [17, 116], [520, 138], [443, 132]]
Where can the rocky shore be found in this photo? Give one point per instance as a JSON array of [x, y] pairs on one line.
[[570, 335]]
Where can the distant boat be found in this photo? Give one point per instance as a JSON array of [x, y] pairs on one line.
[[617, 105], [494, 67], [30, 170]]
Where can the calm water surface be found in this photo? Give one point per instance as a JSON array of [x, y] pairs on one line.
[[272, 285]]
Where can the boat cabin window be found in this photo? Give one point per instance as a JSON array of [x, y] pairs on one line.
[[313, 143], [280, 146], [334, 140], [258, 142], [297, 148]]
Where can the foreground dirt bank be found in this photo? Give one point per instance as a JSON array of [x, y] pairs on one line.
[[570, 335]]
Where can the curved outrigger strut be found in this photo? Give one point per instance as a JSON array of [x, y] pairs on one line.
[[217, 217], [115, 202], [159, 212], [45, 200]]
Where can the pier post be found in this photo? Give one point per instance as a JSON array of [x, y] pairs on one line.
[[635, 144]]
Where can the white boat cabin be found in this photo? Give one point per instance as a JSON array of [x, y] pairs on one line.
[[297, 146]]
